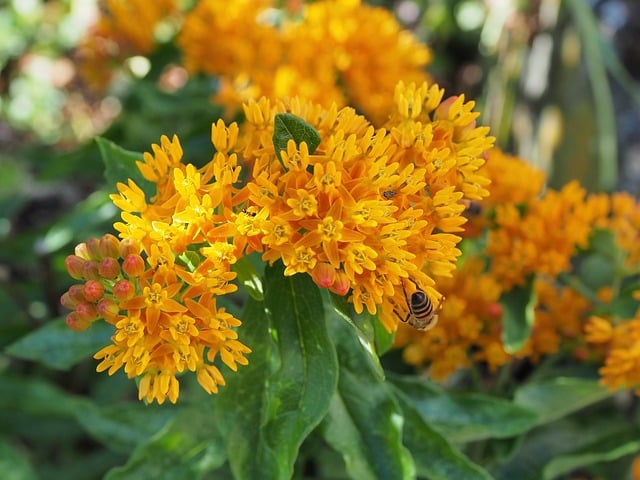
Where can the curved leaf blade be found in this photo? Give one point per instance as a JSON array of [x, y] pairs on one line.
[[282, 395], [364, 423]]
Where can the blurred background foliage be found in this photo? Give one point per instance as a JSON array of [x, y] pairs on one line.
[[556, 80]]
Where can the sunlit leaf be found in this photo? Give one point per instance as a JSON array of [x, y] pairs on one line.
[[270, 407], [364, 423], [120, 165], [57, 346]]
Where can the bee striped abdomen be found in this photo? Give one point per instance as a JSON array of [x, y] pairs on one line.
[[422, 314]]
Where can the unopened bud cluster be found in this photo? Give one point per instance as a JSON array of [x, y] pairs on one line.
[[107, 268]]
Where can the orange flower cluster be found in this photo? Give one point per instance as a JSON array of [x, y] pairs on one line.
[[346, 52], [542, 236], [162, 304], [127, 27], [370, 211], [368, 214]]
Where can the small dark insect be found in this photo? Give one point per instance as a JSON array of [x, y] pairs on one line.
[[248, 213], [389, 194], [421, 315]]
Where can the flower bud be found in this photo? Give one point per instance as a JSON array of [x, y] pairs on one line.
[[108, 309], [75, 266], [133, 265], [93, 247], [76, 293], [82, 251], [93, 291], [109, 246], [495, 310], [124, 290], [129, 246], [74, 322], [86, 311], [67, 301], [109, 268], [90, 270], [341, 284], [323, 275]]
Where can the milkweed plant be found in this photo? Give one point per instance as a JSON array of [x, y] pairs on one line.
[[351, 280]]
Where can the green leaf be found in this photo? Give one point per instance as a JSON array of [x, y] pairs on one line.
[[596, 271], [434, 456], [605, 449], [188, 447], [124, 426], [120, 165], [566, 437], [57, 346], [87, 219], [249, 278], [14, 462], [364, 423], [291, 127], [270, 406], [369, 328], [466, 417], [518, 315], [555, 398]]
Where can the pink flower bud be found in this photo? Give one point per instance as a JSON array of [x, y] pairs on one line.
[[76, 293], [108, 309], [74, 322], [341, 284], [324, 275], [90, 270], [109, 268], [86, 311], [110, 246], [124, 290], [74, 266], [67, 301], [133, 265], [93, 290]]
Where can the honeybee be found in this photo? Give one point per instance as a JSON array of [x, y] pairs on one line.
[[421, 313]]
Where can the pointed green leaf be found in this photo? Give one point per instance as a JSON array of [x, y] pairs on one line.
[[188, 447], [123, 427], [557, 397], [14, 461], [291, 127], [369, 328], [563, 438], [518, 314], [465, 417], [120, 165], [364, 423], [57, 346], [434, 456], [271, 405], [606, 449]]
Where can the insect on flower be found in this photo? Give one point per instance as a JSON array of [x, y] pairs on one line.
[[421, 315], [389, 194]]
